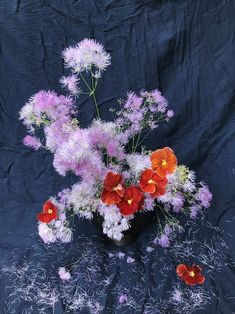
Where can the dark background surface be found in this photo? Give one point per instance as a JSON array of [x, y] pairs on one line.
[[183, 48]]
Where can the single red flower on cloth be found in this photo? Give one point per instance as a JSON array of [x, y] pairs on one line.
[[132, 200], [191, 275], [163, 161], [113, 189], [49, 212], [151, 182]]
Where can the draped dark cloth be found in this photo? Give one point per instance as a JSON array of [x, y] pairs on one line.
[[185, 49]]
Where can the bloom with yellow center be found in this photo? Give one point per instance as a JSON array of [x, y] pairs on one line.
[[163, 161]]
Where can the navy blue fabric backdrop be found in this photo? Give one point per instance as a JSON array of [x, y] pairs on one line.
[[184, 48]]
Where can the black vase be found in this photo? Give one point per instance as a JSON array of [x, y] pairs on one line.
[[138, 224]]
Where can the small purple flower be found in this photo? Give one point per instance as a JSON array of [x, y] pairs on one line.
[[122, 299], [71, 83], [130, 260], [149, 203], [32, 141], [45, 100], [64, 274], [153, 108], [189, 186], [63, 196], [133, 102], [177, 202], [167, 230], [135, 116], [153, 125], [164, 241], [149, 249], [155, 241], [64, 234], [204, 196], [121, 255], [63, 217], [177, 295], [170, 114], [111, 255], [193, 211]]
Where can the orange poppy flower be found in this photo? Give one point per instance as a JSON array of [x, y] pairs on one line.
[[49, 213], [113, 189], [151, 182], [191, 275], [163, 161], [132, 200]]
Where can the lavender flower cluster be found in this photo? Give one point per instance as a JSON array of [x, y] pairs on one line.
[[104, 146]]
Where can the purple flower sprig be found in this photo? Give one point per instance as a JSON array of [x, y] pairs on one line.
[[141, 114], [87, 57]]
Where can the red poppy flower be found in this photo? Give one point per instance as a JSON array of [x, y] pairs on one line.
[[49, 212], [113, 189], [132, 200], [191, 275], [163, 161], [151, 182]]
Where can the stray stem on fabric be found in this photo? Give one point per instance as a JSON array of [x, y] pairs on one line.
[[159, 223], [167, 213]]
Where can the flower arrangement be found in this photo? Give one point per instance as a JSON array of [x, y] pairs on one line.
[[117, 175]]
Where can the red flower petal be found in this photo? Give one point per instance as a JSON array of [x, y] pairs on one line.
[[200, 279], [46, 218], [146, 183], [181, 270], [127, 209], [136, 194], [160, 181], [146, 176], [189, 280], [159, 192], [157, 155], [113, 189], [112, 180], [196, 269], [110, 198], [49, 205], [149, 188]]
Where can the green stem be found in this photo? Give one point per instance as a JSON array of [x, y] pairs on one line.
[[137, 141], [94, 85], [92, 91], [96, 105], [144, 138], [84, 80], [133, 144], [167, 213]]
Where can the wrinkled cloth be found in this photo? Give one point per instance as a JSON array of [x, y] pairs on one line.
[[183, 48]]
